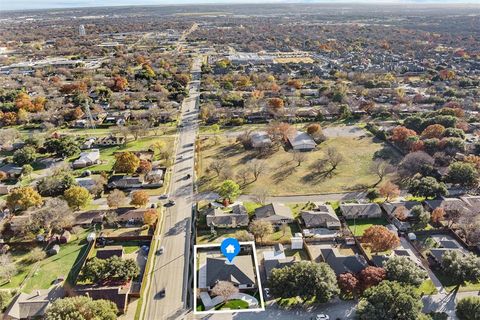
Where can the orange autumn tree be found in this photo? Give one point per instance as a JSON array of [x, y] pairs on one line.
[[437, 215], [389, 191], [433, 131], [401, 134], [379, 238], [150, 216]]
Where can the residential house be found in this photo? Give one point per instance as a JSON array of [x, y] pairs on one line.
[[448, 204], [301, 141], [18, 223], [125, 182], [260, 139], [87, 158], [87, 182], [360, 210], [109, 141], [276, 213], [238, 217], [241, 272], [445, 243], [109, 251], [33, 305], [341, 263], [12, 171], [321, 216], [117, 294], [473, 202], [130, 215], [88, 218], [379, 260], [400, 209], [276, 259]]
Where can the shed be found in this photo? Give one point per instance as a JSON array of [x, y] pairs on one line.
[[55, 250]]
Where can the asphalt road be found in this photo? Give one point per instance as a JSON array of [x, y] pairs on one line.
[[170, 270]]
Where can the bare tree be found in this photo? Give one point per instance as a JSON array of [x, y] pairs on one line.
[[381, 169], [257, 167], [224, 289], [243, 174], [260, 195], [116, 198], [218, 166], [7, 267], [299, 157]]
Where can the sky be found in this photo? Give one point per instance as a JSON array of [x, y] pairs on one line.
[[47, 4]]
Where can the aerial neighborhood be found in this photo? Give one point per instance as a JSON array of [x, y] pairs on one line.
[[339, 147]]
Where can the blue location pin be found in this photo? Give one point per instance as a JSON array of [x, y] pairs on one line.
[[230, 248]]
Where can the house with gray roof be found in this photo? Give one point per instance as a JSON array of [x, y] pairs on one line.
[[445, 243], [392, 208], [276, 259], [340, 263], [301, 141], [276, 213], [360, 210], [241, 272], [260, 139], [447, 204], [219, 218], [87, 158], [33, 305], [321, 216]]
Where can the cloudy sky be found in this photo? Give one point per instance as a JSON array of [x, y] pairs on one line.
[[39, 4]]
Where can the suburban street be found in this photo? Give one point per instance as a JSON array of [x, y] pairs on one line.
[[170, 269]]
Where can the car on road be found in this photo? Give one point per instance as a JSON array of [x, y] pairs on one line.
[[161, 293], [187, 176], [321, 316], [153, 206], [163, 196], [180, 157], [171, 202], [161, 250]]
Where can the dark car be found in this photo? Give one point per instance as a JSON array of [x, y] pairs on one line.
[[188, 176]]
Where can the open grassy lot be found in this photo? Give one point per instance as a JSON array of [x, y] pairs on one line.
[[64, 264], [449, 285], [359, 226], [284, 176], [107, 155]]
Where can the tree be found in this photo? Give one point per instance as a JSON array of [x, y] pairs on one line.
[[463, 174], [461, 267], [56, 184], [260, 195], [7, 267], [468, 308], [421, 216], [5, 298], [299, 157], [404, 270], [438, 214], [150, 217], [433, 131], [257, 167], [401, 134], [379, 238], [145, 166], [224, 289], [348, 283], [77, 197], [414, 163], [63, 147], [26, 155], [329, 163], [116, 199], [260, 229], [81, 308], [111, 269], [37, 254], [22, 198], [243, 235], [390, 300], [427, 187], [218, 166], [279, 131], [389, 191], [27, 170], [54, 216], [139, 198], [126, 162], [371, 276], [381, 169], [229, 189], [306, 280]]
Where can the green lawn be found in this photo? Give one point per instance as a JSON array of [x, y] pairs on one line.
[[107, 155], [449, 285], [232, 304], [23, 267], [59, 265], [297, 207], [427, 288], [281, 235], [206, 237], [358, 226], [250, 207], [298, 254]]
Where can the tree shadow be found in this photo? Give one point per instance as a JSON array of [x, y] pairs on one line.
[[281, 175]]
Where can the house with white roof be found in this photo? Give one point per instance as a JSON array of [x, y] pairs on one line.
[[87, 158]]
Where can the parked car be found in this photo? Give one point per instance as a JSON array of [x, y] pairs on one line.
[[171, 202], [153, 206], [187, 176], [163, 196], [161, 250], [267, 292], [321, 316]]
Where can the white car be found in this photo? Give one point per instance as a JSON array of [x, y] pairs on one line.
[[322, 316], [267, 292]]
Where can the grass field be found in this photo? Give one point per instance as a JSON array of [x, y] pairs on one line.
[[58, 265], [359, 226], [284, 176], [232, 304], [427, 288]]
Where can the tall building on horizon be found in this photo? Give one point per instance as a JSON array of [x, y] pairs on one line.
[[81, 30]]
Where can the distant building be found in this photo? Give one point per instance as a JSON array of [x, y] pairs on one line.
[[81, 31]]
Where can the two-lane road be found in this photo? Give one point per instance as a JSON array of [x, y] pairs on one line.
[[170, 269]]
